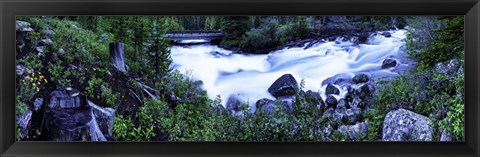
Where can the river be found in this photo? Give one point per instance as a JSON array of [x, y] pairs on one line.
[[250, 75]]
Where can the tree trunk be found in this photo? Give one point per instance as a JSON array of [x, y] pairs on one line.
[[117, 57]]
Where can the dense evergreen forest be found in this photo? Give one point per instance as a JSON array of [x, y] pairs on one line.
[[152, 101]]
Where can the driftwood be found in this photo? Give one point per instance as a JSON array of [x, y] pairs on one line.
[[146, 90]]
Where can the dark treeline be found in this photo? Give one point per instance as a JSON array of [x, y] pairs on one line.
[[261, 34]]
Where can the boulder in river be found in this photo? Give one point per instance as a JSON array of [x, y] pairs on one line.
[[360, 78], [353, 115], [386, 34], [234, 103], [265, 105], [331, 89], [341, 105], [331, 101], [312, 97], [388, 63], [286, 85], [404, 125]]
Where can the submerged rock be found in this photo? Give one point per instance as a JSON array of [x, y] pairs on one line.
[[388, 63], [286, 85], [404, 125], [386, 34]]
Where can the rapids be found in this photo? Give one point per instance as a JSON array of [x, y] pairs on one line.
[[250, 75]]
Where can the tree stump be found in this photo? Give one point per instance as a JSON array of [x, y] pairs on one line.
[[117, 57], [68, 117]]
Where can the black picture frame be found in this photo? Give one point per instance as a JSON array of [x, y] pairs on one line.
[[11, 8]]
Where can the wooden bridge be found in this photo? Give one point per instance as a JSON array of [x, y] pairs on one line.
[[194, 35]]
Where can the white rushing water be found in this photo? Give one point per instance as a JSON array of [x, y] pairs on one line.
[[249, 75]]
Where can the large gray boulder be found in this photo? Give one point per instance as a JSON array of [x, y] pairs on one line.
[[286, 85], [447, 67], [404, 125]]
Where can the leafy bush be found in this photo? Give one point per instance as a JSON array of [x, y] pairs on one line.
[[99, 90], [123, 129], [454, 122]]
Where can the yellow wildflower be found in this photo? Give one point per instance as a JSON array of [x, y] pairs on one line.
[[38, 89], [45, 80], [23, 81]]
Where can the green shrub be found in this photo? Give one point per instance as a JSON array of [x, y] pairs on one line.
[[123, 129], [455, 122], [101, 91]]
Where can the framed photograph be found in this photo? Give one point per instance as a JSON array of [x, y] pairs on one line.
[[235, 78]]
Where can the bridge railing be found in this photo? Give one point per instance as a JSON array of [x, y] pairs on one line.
[[193, 34], [191, 31]]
